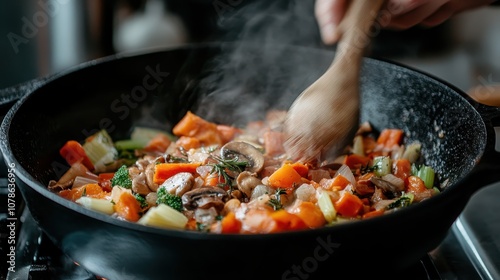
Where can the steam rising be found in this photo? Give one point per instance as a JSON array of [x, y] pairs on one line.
[[272, 57]]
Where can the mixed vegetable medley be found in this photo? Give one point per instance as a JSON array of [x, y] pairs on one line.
[[217, 178]]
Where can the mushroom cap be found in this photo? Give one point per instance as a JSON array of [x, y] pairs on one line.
[[205, 198], [244, 152]]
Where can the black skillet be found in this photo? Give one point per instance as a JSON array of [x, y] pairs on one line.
[[231, 84]]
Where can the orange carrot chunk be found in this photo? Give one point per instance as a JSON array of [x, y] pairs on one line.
[[73, 152], [285, 221], [188, 143], [285, 177], [163, 171], [194, 126], [159, 143], [310, 214], [402, 169], [348, 205], [355, 161], [390, 137], [128, 207], [301, 168], [230, 224]]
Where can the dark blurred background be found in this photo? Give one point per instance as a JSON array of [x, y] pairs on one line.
[[38, 38]]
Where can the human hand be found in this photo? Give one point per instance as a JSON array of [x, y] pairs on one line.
[[398, 14]]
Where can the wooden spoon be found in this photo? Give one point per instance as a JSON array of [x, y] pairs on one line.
[[324, 117]]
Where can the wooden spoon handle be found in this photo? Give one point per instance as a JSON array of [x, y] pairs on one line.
[[357, 28]]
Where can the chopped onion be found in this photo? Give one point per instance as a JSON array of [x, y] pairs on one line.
[[81, 181], [395, 181], [357, 146]]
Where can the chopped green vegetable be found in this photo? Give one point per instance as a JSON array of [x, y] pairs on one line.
[[145, 134], [404, 201], [424, 172], [412, 152], [382, 165], [129, 144], [121, 178], [141, 200], [164, 197], [276, 201], [326, 206], [222, 167]]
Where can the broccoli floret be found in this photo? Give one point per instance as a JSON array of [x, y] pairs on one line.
[[169, 199], [141, 200], [121, 178]]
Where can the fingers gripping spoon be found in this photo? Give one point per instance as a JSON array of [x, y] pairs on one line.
[[325, 116]]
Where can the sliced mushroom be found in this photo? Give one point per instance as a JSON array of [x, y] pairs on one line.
[[139, 184], [244, 152], [179, 184], [247, 181], [389, 183], [150, 172], [205, 198]]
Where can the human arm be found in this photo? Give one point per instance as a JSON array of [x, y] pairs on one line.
[[398, 14]]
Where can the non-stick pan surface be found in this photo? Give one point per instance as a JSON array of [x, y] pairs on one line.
[[232, 84]]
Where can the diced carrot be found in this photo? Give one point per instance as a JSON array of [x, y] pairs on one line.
[[159, 143], [163, 171], [194, 126], [191, 224], [72, 151], [301, 168], [310, 214], [285, 177], [285, 221], [213, 180], [390, 137], [188, 143], [90, 190], [348, 205], [273, 142], [402, 169], [128, 207], [416, 186], [227, 133], [355, 161], [258, 220], [374, 213], [340, 181], [230, 224]]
